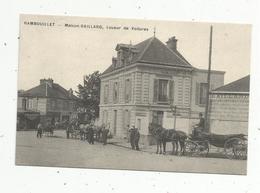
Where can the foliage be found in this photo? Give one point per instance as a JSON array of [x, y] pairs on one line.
[[89, 94]]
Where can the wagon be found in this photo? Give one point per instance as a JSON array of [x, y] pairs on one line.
[[234, 145]]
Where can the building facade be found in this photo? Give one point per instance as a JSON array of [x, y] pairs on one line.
[[229, 107], [145, 81], [48, 99]]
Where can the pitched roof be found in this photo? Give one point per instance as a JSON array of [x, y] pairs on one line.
[[54, 91], [241, 85], [153, 51]]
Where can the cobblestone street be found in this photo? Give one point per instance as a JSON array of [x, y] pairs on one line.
[[57, 151]]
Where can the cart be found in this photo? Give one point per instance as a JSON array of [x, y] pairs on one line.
[[234, 145]]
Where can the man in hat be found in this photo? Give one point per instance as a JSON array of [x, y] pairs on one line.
[[105, 131], [200, 127], [134, 137], [91, 133], [39, 130]]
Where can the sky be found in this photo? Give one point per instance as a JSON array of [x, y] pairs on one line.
[[66, 54]]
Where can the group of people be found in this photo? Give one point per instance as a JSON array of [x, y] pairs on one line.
[[89, 132], [47, 127]]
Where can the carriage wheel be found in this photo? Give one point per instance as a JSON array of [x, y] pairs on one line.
[[240, 149], [191, 148], [229, 148], [203, 147]]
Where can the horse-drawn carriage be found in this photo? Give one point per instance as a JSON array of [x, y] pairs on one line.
[[234, 145]]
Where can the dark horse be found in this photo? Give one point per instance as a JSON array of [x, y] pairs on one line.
[[163, 136]]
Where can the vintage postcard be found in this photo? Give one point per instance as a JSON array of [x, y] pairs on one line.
[[133, 94]]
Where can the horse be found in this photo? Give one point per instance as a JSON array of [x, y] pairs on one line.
[[163, 136]]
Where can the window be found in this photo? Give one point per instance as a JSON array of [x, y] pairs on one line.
[[162, 95], [106, 94], [163, 90], [128, 89], [201, 94], [65, 105], [30, 101], [115, 92], [139, 124], [53, 104], [24, 104]]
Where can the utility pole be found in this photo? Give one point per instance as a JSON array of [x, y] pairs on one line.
[[175, 114], [206, 126]]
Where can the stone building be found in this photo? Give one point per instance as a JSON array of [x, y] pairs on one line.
[[145, 80], [49, 100], [229, 107]]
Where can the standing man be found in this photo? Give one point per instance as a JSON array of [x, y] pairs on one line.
[[134, 137], [39, 130], [68, 128], [131, 136], [91, 133], [105, 132]]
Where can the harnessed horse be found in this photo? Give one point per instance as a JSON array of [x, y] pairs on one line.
[[163, 136]]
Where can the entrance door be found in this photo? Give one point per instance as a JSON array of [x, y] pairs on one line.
[[158, 117], [115, 121], [126, 121]]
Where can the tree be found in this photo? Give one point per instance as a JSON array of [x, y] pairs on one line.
[[89, 94]]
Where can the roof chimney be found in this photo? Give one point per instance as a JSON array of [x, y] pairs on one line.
[[70, 92], [172, 43], [48, 81]]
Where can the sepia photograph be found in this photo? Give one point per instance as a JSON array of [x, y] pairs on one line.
[[128, 94]]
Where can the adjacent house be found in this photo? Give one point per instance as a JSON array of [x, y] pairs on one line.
[[229, 107], [145, 80], [48, 100]]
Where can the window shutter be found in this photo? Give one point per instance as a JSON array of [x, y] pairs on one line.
[[107, 97], [197, 94], [130, 90], [125, 90], [171, 90], [155, 90]]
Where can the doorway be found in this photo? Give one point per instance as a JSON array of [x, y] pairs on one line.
[[157, 117], [115, 121]]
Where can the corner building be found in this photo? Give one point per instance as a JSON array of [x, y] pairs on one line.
[[145, 80]]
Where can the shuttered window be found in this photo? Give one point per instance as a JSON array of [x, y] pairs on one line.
[[106, 91], [171, 91], [116, 92], [163, 90], [201, 93]]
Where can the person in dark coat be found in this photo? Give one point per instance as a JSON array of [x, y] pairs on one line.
[[91, 134], [105, 132], [39, 130], [68, 131], [200, 127], [134, 137]]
